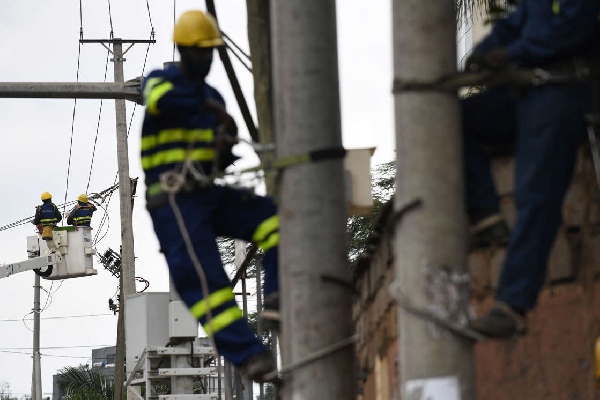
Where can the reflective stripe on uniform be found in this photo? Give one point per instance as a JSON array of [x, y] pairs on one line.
[[177, 135], [155, 89], [266, 235], [223, 320], [48, 220], [216, 299], [556, 7], [176, 156], [82, 219]]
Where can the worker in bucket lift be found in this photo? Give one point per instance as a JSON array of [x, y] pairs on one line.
[[547, 124], [187, 131], [46, 216], [81, 214]]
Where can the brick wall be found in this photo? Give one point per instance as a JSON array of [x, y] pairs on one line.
[[554, 361]]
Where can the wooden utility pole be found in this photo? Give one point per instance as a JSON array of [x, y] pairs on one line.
[[430, 242], [317, 306]]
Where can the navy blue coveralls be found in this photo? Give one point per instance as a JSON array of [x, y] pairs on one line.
[[81, 214], [47, 214], [177, 125], [547, 124]]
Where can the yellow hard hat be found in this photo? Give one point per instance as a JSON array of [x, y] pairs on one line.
[[197, 29], [82, 198], [46, 196]]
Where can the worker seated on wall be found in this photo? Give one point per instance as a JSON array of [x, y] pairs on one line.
[[81, 214], [46, 216]]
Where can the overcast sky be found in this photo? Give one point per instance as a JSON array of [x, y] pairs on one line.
[[39, 42]]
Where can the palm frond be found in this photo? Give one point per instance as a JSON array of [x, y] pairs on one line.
[[83, 382]]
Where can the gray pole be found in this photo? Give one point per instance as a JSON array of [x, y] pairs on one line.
[[316, 312], [430, 242], [37, 373], [124, 181], [127, 252]]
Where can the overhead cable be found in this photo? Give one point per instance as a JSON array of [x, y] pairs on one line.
[[97, 127]]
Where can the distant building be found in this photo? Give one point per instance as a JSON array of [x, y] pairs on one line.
[[103, 359]]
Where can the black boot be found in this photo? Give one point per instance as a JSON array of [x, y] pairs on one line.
[[501, 321]]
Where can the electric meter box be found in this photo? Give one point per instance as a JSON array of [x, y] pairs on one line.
[[73, 249], [357, 167]]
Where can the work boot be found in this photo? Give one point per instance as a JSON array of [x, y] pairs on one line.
[[259, 366], [501, 322], [489, 230], [271, 317]]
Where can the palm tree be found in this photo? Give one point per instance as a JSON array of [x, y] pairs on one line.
[[85, 383]]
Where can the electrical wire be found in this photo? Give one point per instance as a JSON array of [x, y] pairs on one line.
[[236, 46], [97, 127], [72, 125], [150, 18], [59, 317], [110, 20], [239, 58]]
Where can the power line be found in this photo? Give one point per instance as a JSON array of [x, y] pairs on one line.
[[226, 36], [73, 124], [174, 6], [59, 347], [97, 127], [150, 18], [110, 20]]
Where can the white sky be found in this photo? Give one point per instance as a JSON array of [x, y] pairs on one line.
[[39, 42]]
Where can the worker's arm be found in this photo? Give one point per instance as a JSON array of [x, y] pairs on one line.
[[36, 219], [161, 97], [71, 215], [505, 31], [57, 214]]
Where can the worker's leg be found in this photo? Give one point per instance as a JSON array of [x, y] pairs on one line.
[[244, 215], [234, 338], [488, 119], [551, 128]]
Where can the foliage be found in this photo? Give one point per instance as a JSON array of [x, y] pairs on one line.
[[270, 392], [5, 393], [491, 9], [85, 383], [359, 228]]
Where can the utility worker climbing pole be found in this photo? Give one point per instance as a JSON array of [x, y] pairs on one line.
[[81, 214], [46, 216], [547, 124], [187, 135]]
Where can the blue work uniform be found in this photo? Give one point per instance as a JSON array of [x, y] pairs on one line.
[[546, 123], [47, 214], [81, 214], [178, 126]]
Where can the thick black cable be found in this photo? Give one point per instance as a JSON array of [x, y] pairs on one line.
[[235, 84], [97, 128]]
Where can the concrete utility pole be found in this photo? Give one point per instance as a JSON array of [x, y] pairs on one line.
[[317, 306], [430, 242], [36, 393], [127, 249]]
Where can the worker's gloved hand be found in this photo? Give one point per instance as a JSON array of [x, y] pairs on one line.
[[497, 58], [222, 116], [476, 61]]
